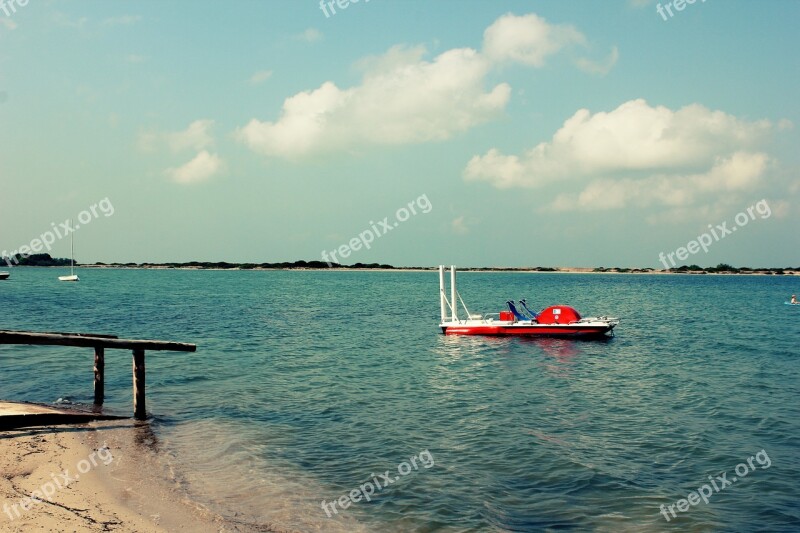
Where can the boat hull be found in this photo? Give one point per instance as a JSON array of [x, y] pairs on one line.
[[4, 275], [530, 330]]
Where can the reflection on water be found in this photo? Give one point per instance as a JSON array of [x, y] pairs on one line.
[[555, 356], [456, 346], [145, 437]]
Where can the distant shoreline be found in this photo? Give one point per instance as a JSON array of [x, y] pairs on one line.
[[522, 270], [46, 261]]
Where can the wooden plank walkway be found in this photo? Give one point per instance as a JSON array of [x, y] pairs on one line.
[[15, 415], [100, 343]]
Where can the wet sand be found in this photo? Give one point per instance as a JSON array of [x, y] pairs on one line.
[[99, 476]]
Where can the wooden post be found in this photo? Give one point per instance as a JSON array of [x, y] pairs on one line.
[[139, 407], [99, 375], [99, 343]]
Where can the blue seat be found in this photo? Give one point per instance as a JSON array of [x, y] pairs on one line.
[[516, 313], [524, 304]]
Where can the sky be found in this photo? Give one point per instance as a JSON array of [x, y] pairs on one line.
[[409, 132]]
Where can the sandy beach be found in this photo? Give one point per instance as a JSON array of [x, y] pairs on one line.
[[101, 476]]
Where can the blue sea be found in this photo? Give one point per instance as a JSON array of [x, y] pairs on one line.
[[307, 385]]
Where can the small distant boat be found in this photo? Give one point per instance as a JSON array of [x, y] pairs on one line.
[[72, 276], [554, 321], [4, 275]]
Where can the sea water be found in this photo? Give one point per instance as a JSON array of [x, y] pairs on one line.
[[307, 385]]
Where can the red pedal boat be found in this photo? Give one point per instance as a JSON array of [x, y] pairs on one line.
[[554, 321]]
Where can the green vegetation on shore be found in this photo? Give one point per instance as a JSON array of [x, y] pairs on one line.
[[224, 265], [44, 260], [721, 268]]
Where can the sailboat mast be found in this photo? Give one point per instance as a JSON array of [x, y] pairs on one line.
[[72, 276]]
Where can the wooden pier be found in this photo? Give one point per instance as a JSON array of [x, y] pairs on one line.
[[100, 343]]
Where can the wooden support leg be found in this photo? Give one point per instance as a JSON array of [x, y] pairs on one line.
[[99, 375], [139, 407]]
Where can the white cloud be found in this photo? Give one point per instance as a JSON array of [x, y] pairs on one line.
[[405, 98], [196, 137], [135, 58], [201, 168], [397, 57], [527, 39], [636, 154], [459, 226], [311, 35], [740, 172], [502, 171], [260, 77], [635, 136], [8, 23], [63, 20], [402, 99], [781, 208], [601, 68]]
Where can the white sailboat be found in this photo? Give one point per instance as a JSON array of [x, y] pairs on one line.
[[72, 276]]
